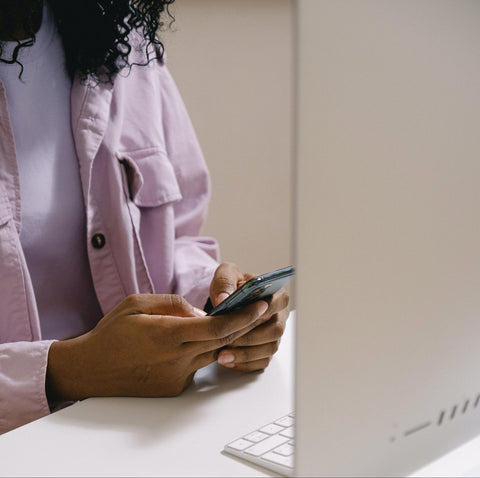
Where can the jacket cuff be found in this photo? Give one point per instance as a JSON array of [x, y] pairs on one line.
[[23, 368]]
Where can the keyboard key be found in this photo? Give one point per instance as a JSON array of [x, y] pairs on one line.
[[288, 432], [279, 459], [271, 446], [271, 429], [285, 450], [256, 436], [285, 421], [266, 445], [240, 444]]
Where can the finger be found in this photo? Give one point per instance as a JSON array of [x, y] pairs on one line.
[[274, 329], [246, 277], [255, 366], [278, 302], [232, 357], [220, 327], [161, 304], [224, 282], [204, 359], [179, 331], [267, 332], [195, 348]]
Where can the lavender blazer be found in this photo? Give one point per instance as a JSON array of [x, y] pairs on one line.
[[146, 189]]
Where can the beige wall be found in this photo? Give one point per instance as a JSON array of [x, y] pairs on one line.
[[232, 61]]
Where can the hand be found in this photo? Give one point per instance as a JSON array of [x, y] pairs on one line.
[[255, 349], [148, 346], [227, 279]]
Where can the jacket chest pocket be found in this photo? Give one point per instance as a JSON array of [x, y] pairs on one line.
[[149, 178], [149, 181]]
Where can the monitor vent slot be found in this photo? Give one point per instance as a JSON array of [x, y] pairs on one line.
[[441, 417], [477, 400], [445, 416], [458, 409], [417, 429]]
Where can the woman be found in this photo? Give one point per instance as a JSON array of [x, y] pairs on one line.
[[103, 190]]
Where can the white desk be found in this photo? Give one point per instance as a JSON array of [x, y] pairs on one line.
[[180, 436], [462, 461]]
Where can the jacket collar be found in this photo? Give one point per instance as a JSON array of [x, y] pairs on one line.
[[90, 105]]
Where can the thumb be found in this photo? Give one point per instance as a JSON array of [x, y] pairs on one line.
[[225, 281]]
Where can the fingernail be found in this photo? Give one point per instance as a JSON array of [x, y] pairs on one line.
[[226, 359], [200, 312], [221, 297]]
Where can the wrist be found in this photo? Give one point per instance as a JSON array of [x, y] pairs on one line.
[[64, 382]]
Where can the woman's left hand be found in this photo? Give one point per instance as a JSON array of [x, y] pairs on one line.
[[254, 350]]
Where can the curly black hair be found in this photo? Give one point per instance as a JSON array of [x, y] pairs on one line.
[[96, 34]]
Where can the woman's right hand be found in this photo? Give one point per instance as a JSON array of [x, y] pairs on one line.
[[150, 345]]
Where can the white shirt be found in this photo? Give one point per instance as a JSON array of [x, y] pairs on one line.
[[53, 232]]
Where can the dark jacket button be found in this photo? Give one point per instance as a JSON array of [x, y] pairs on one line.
[[98, 241]]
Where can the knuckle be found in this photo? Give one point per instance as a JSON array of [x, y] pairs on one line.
[[228, 339], [252, 316], [177, 300], [178, 303], [225, 282], [218, 328], [247, 339], [267, 361], [226, 275], [278, 329], [176, 389], [178, 386], [224, 269], [131, 299], [221, 329], [261, 364], [283, 299], [133, 302], [242, 355]]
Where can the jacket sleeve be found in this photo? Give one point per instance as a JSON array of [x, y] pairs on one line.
[[196, 257], [23, 367]]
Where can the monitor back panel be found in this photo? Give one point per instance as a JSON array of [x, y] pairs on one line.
[[388, 233]]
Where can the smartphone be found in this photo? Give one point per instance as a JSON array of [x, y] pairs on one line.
[[260, 287]]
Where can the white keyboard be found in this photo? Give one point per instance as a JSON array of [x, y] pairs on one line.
[[271, 446]]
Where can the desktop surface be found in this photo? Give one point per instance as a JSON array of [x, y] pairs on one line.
[[179, 436]]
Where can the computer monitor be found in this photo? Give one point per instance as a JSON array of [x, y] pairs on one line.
[[388, 234]]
